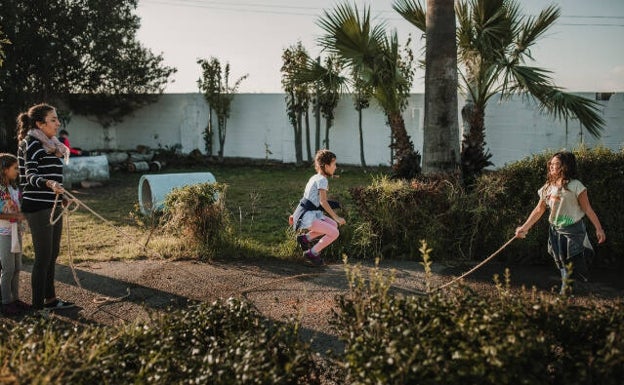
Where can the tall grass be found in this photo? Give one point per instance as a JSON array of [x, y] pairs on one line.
[[259, 200]]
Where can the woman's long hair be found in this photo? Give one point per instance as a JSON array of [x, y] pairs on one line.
[[567, 171], [28, 120]]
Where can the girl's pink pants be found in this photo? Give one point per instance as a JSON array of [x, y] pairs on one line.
[[326, 227]]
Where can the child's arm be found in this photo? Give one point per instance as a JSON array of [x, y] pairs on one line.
[[583, 200], [328, 209], [12, 216], [535, 215]]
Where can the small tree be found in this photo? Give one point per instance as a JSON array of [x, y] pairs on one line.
[[297, 93], [327, 82], [361, 99], [331, 84], [376, 54], [214, 84]]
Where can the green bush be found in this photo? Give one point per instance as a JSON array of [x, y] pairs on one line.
[[226, 342], [198, 213], [461, 337], [460, 224], [395, 214]]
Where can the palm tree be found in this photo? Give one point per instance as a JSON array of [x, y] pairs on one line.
[[361, 100], [297, 95], [494, 41], [375, 55], [441, 128], [329, 85]]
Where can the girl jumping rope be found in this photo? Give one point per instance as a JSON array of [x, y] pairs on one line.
[[10, 236], [566, 197], [309, 214]]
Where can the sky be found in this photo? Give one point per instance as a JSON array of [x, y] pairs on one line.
[[583, 49]]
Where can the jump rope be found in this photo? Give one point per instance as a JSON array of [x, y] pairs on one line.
[[75, 203]]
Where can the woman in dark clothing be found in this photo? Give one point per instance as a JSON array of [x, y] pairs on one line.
[[40, 157]]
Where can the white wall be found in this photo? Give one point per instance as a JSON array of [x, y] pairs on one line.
[[513, 129]]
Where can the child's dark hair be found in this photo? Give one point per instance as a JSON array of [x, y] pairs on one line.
[[28, 120], [323, 158], [568, 168], [6, 160], [63, 132]]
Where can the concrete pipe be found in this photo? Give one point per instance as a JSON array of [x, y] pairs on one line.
[[81, 168], [153, 188]]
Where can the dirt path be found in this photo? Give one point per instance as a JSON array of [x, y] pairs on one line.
[[117, 292]]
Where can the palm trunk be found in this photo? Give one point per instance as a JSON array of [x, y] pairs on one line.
[[317, 121], [406, 160], [441, 128], [327, 127], [362, 160], [474, 157], [298, 147], [307, 135], [222, 132]]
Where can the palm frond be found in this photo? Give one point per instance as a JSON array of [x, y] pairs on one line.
[[537, 83], [413, 12], [534, 28], [351, 35], [519, 78], [563, 105]]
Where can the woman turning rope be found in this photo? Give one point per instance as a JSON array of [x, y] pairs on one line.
[[40, 157], [566, 197]]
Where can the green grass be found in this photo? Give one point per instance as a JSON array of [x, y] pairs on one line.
[[260, 200]]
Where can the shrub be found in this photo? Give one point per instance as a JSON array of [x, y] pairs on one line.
[[394, 214], [460, 224], [198, 213], [226, 342], [461, 337]]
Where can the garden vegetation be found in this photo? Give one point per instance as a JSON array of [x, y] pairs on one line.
[[450, 336]]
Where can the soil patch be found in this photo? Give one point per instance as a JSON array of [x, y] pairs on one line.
[[117, 292]]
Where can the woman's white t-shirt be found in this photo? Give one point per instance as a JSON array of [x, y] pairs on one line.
[[563, 203]]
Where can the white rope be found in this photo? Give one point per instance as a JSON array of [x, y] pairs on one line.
[[99, 300], [486, 260]]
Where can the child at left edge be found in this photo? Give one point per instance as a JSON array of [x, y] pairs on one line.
[[309, 214], [10, 236]]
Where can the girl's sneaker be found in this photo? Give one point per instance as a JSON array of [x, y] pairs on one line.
[[22, 305], [303, 242], [312, 259], [10, 309]]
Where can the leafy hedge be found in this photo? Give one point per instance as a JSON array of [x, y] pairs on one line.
[[460, 224], [460, 337], [225, 342], [197, 212]]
